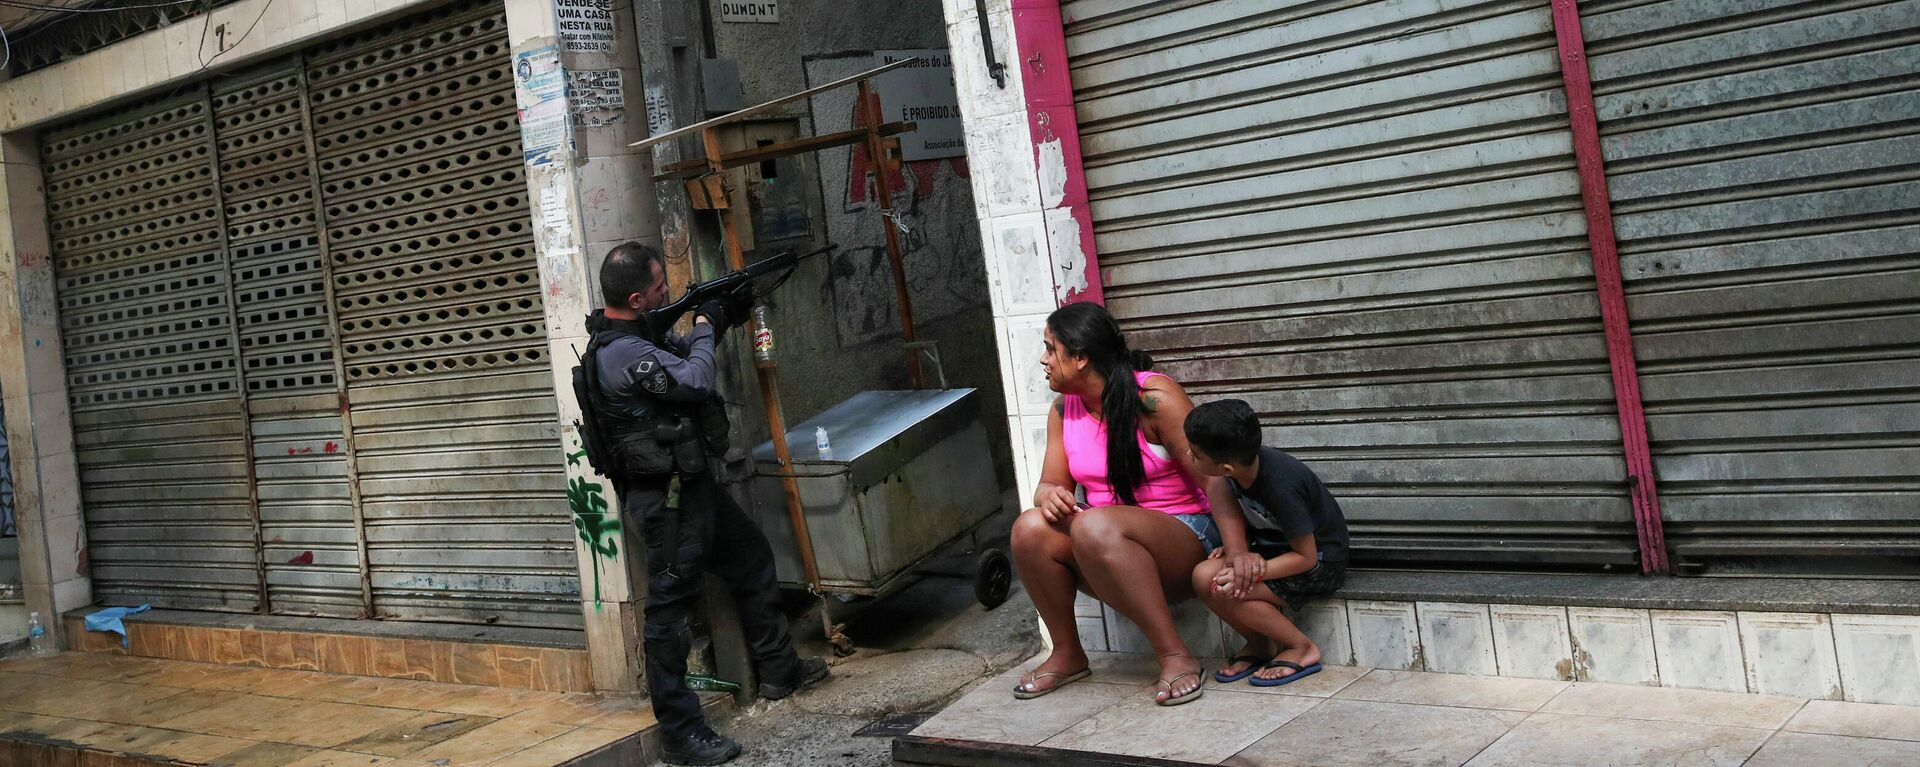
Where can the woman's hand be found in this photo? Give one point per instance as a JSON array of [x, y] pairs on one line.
[[1055, 503]]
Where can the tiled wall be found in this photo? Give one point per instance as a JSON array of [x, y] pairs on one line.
[[1860, 658], [432, 660]]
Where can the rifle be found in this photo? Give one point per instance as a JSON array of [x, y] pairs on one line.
[[732, 283]]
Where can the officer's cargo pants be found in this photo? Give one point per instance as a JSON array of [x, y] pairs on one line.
[[713, 536]]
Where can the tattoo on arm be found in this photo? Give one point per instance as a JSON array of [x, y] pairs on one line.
[[1151, 403]]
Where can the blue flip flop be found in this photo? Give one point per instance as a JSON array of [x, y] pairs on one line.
[[1298, 671], [1253, 664]]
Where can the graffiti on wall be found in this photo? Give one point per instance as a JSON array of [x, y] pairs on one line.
[[598, 527], [933, 213]]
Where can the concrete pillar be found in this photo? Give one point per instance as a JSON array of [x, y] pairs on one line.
[[1030, 194], [589, 192], [46, 482]]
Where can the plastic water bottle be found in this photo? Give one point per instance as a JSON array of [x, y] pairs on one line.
[[821, 445], [38, 643]]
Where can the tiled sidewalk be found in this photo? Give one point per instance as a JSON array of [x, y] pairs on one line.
[[1355, 717], [159, 711]]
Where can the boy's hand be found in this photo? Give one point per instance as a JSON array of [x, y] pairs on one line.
[[1243, 571]]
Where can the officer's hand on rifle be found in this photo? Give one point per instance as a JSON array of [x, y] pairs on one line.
[[740, 304], [714, 311]]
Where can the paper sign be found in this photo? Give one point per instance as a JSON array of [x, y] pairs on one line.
[[923, 93]]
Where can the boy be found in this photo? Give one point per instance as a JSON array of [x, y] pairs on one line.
[[1278, 524]]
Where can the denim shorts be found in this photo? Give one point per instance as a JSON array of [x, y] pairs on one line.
[[1203, 528]]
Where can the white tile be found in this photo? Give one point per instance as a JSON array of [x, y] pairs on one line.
[[1024, 340], [1093, 633], [1532, 642], [1456, 638], [1005, 360], [1207, 730], [52, 421], [72, 594], [1859, 720], [60, 491], [979, 95], [1069, 249], [1790, 654], [1612, 645], [1085, 606], [1325, 622], [1032, 433], [1385, 634], [1699, 650], [66, 539], [1000, 160], [1879, 657], [1019, 267], [1198, 628]]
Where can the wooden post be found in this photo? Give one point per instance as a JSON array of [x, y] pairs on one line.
[[880, 163]]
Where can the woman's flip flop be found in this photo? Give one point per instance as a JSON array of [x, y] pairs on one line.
[[1022, 692], [1175, 700], [1298, 671], [1253, 664]]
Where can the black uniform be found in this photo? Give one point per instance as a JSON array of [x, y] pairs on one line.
[[657, 392]]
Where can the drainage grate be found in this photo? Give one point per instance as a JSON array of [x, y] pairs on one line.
[[892, 726]]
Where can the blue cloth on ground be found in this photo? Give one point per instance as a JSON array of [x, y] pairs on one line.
[[109, 620]]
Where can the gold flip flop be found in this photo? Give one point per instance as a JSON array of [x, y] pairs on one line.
[[1065, 680], [1175, 700]]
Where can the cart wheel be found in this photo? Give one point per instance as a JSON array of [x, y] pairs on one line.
[[992, 578]]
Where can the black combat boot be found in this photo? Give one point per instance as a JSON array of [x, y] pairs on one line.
[[807, 673], [701, 747]]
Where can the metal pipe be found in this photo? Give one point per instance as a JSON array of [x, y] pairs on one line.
[[882, 191], [995, 69], [1644, 496]]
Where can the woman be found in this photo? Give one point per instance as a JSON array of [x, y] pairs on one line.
[[1116, 433]]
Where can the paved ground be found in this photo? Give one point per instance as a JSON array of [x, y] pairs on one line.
[[1356, 717], [918, 650], [236, 716]]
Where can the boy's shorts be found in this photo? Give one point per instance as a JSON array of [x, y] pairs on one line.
[[1298, 590]]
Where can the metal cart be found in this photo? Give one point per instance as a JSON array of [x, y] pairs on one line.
[[908, 476]]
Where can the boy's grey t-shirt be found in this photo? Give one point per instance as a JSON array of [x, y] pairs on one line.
[[1286, 501]]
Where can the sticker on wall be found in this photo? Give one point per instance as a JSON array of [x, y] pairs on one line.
[[741, 11], [586, 26], [540, 93]]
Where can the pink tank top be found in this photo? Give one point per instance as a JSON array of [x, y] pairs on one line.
[[1166, 487]]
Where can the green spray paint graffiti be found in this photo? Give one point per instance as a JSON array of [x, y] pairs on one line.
[[589, 504]]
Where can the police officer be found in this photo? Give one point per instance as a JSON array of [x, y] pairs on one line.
[[656, 406]]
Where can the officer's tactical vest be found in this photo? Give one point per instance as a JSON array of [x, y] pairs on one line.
[[664, 438]]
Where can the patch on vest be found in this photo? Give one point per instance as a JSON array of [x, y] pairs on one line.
[[657, 383]]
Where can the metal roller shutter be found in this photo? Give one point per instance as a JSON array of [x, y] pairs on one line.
[[309, 538], [454, 424], [1364, 218], [1764, 162], [152, 365]]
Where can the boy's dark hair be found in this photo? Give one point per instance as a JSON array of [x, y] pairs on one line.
[[627, 271], [1226, 430]]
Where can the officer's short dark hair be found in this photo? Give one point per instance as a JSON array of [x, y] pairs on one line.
[[1226, 430], [627, 271]]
